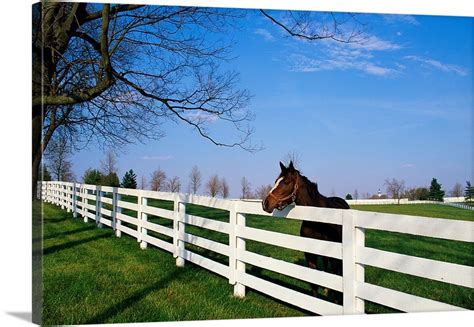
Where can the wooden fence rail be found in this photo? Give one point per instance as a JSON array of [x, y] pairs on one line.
[[108, 206]]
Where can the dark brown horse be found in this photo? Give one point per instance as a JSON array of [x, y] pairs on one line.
[[292, 187]]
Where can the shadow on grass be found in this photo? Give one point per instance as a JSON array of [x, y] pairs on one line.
[[134, 298], [57, 220], [259, 272], [59, 247], [70, 232]]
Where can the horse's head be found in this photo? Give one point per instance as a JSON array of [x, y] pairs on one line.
[[284, 191]]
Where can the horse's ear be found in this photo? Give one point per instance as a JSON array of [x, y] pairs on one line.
[[282, 167], [291, 167]]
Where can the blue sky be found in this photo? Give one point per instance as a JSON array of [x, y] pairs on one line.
[[397, 106]]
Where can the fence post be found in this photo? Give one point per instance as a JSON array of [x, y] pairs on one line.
[[85, 202], [98, 194], [114, 208], [67, 197], [232, 243], [118, 210], [360, 271], [239, 289], [144, 217], [74, 201], [58, 195], [178, 227], [54, 191], [352, 239], [62, 196]]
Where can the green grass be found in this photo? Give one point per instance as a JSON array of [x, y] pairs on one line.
[[90, 276], [425, 210]]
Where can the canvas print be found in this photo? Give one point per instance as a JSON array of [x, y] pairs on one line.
[[196, 163]]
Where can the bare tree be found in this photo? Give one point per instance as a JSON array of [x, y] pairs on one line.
[[292, 156], [109, 164], [143, 183], [315, 26], [395, 188], [59, 163], [457, 190], [174, 184], [224, 189], [417, 193], [195, 180], [113, 73], [213, 186], [246, 192], [356, 194], [262, 191], [158, 180]]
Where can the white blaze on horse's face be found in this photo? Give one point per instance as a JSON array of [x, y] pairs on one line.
[[276, 184]]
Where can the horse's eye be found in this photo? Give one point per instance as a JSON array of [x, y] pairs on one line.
[[286, 182]]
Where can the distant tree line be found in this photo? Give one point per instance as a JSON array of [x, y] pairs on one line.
[[58, 166], [396, 190]]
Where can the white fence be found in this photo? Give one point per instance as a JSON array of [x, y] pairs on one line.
[[460, 206], [403, 201], [353, 252]]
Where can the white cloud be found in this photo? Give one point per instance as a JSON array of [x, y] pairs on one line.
[[304, 64], [372, 69], [409, 165], [158, 158], [346, 56], [266, 34], [374, 43], [202, 117], [447, 68], [404, 19]]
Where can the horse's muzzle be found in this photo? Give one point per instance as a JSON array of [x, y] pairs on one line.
[[265, 206]]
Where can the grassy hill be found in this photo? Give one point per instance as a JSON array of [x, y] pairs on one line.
[[90, 276]]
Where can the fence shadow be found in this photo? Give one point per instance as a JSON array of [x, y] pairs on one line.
[[259, 272], [134, 298], [68, 245], [70, 232], [55, 220]]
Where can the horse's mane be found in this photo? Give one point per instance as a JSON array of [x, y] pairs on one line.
[[311, 186], [313, 192]]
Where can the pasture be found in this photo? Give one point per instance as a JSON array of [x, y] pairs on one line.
[[90, 276]]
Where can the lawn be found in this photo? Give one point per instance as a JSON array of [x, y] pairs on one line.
[[90, 276]]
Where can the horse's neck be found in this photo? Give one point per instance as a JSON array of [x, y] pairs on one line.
[[305, 197]]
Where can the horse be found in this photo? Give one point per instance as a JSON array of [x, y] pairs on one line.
[[292, 187]]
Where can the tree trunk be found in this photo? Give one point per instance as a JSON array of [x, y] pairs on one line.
[[36, 148]]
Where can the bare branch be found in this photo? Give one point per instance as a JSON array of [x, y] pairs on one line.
[[303, 26]]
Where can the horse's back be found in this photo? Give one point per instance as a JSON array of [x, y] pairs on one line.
[[337, 203]]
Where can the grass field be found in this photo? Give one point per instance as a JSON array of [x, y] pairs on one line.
[[90, 276]]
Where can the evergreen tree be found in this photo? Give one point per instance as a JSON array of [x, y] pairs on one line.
[[93, 177], [129, 180], [469, 192], [436, 193], [45, 175], [111, 180], [348, 196]]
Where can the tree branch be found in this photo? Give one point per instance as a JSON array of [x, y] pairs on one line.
[[113, 11]]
